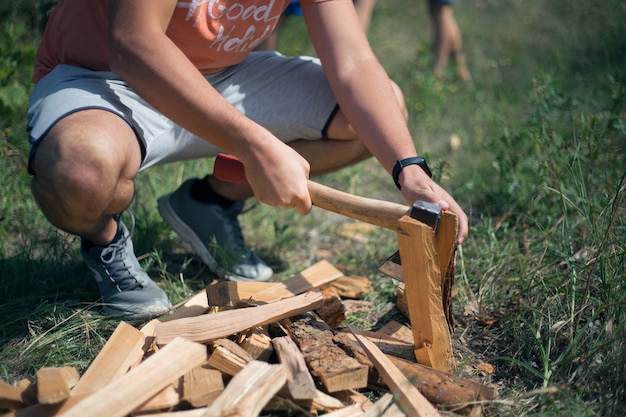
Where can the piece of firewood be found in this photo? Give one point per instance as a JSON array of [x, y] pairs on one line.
[[443, 388], [230, 293], [48, 410], [202, 385], [122, 349], [353, 410], [423, 293], [352, 396], [248, 392], [310, 278], [258, 343], [401, 301], [385, 407], [168, 397], [195, 412], [322, 403], [379, 406], [209, 327], [300, 384], [193, 306], [228, 357], [333, 312], [29, 391], [398, 331], [122, 396], [326, 360], [446, 244], [54, 384], [10, 397], [351, 286], [410, 400], [389, 345], [348, 343]]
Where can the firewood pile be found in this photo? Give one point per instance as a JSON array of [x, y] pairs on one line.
[[242, 349]]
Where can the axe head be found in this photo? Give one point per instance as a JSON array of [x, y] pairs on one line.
[[427, 213]]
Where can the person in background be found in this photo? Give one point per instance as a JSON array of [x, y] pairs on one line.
[[124, 85], [364, 9], [448, 41]]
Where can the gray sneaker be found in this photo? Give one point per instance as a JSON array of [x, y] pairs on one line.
[[214, 234], [125, 287]]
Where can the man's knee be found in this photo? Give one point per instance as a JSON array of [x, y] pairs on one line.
[[83, 170]]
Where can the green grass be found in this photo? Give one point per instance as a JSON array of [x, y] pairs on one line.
[[541, 280]]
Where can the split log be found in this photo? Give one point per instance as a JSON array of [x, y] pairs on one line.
[[354, 397], [10, 397], [327, 361], [54, 384], [445, 242], [300, 385], [48, 410], [249, 391], [124, 395], [230, 293], [410, 400], [167, 398], [351, 286], [384, 407], [309, 279], [322, 403], [191, 307], [398, 331], [123, 349], [202, 385], [350, 411], [196, 412], [442, 388], [29, 391], [228, 357], [333, 312], [423, 293], [258, 344], [209, 327], [389, 345], [253, 293]]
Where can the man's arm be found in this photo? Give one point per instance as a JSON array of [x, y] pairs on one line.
[[142, 54], [366, 97]]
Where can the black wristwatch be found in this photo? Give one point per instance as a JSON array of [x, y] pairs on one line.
[[416, 160]]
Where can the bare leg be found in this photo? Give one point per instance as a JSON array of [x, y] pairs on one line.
[[84, 171], [447, 40], [364, 9], [271, 43]]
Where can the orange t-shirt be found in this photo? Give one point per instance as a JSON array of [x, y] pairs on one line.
[[213, 34]]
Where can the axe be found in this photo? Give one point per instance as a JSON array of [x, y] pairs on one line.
[[379, 213]]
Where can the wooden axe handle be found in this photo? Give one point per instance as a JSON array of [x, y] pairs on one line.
[[376, 212]]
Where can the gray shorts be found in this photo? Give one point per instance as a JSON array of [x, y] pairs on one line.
[[289, 96]]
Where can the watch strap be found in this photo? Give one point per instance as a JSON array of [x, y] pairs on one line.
[[400, 164]]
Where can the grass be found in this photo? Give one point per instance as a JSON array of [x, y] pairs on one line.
[[540, 286]]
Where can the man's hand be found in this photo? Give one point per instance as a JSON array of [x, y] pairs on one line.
[[416, 185], [278, 177]]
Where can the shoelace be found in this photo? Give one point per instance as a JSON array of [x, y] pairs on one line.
[[113, 259]]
